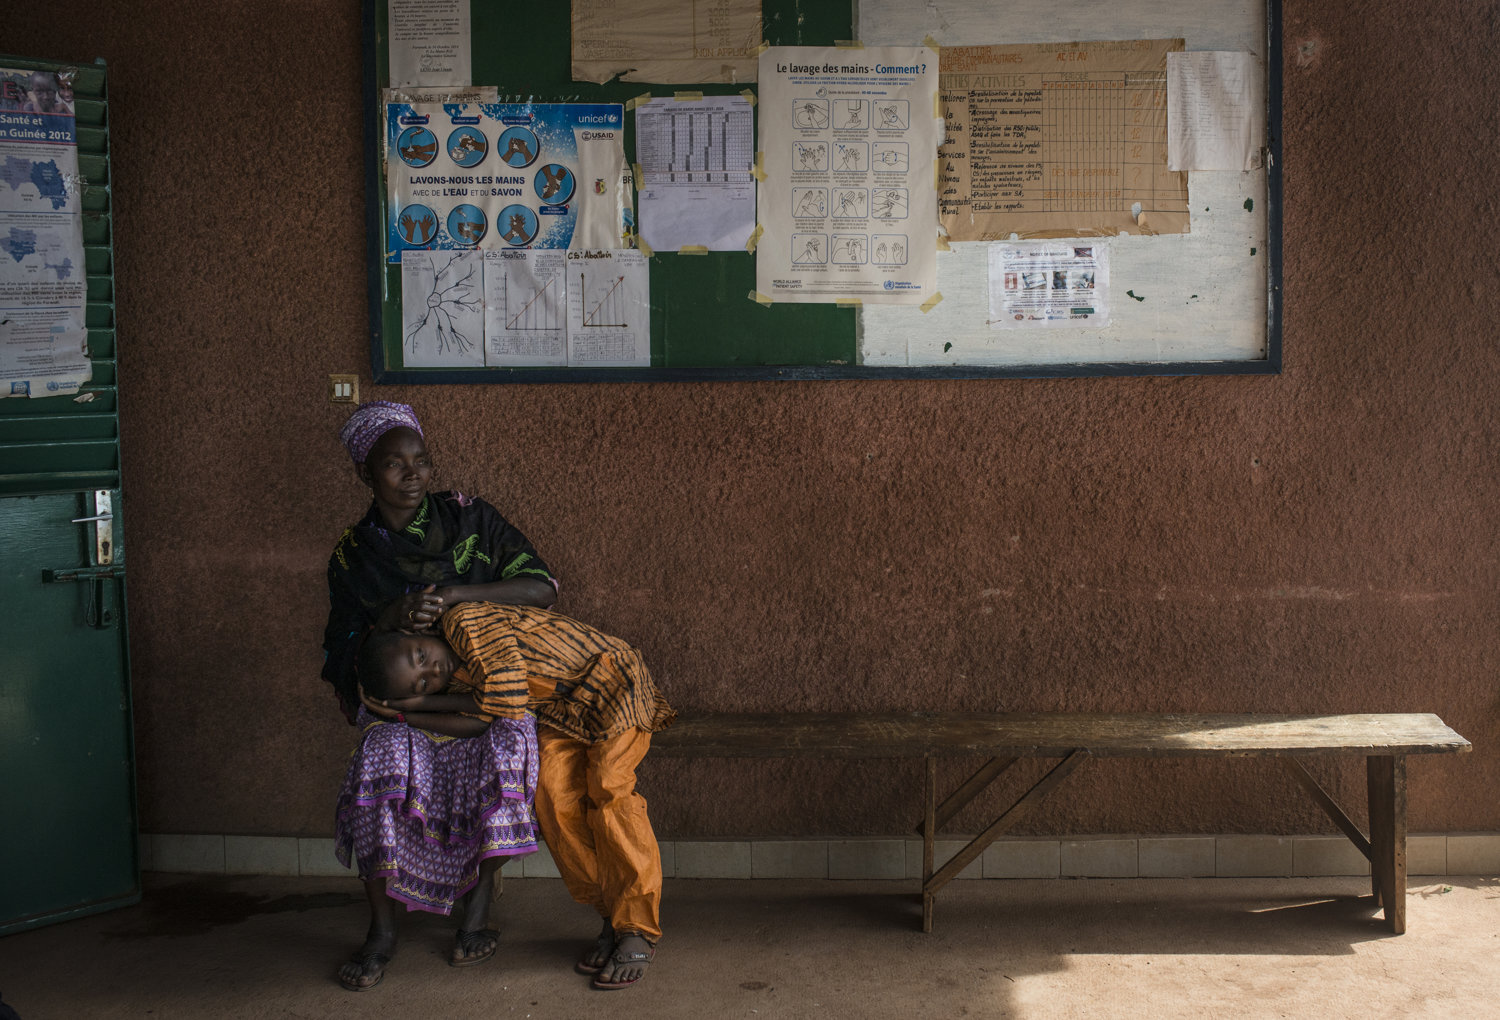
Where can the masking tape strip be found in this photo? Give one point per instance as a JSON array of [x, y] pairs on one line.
[[937, 175], [749, 95], [687, 97], [762, 47], [931, 302], [932, 44], [754, 237], [942, 244], [693, 249], [640, 100], [848, 44], [848, 302], [758, 298], [643, 246], [756, 171], [937, 104], [640, 174]]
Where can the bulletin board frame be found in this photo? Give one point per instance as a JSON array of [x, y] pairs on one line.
[[704, 325]]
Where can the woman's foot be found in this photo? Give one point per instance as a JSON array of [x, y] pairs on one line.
[[476, 940], [471, 947], [366, 967], [627, 964], [597, 957]]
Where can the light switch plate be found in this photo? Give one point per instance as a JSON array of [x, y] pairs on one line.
[[343, 389]]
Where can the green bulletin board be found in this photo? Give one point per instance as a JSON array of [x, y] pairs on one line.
[[703, 322]]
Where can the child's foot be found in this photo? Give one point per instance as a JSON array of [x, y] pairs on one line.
[[597, 957], [366, 967], [627, 964]]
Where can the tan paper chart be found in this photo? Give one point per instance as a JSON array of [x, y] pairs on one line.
[[1057, 140]]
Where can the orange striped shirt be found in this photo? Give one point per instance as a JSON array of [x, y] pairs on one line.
[[576, 679]]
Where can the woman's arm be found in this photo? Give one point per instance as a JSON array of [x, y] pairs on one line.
[[518, 591], [419, 610]]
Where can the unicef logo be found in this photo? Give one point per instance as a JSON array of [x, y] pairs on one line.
[[889, 285]]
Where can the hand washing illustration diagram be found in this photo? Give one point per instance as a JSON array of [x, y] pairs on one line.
[[490, 176]]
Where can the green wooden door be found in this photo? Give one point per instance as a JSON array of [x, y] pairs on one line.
[[67, 797]]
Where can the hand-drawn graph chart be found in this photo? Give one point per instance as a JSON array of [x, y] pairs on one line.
[[526, 317], [608, 309], [442, 297]]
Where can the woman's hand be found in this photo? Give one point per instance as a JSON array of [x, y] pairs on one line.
[[415, 611]]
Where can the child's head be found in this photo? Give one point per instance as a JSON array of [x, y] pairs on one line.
[[394, 664]]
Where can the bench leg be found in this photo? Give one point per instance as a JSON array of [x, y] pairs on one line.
[[929, 836], [1386, 782]]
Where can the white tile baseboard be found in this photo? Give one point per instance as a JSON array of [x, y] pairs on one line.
[[1195, 856]]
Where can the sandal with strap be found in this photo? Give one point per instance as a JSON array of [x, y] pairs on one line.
[[365, 960], [470, 943], [621, 958]]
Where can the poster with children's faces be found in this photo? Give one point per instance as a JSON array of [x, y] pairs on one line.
[[495, 176]]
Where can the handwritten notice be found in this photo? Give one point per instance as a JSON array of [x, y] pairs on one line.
[[1058, 140], [680, 41]]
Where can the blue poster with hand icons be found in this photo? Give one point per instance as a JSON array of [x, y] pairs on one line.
[[495, 176]]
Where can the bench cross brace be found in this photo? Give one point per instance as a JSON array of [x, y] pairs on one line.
[[932, 880]]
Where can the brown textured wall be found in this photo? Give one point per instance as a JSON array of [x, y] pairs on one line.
[[1324, 539]]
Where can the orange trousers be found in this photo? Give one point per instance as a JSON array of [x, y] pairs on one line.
[[596, 827]]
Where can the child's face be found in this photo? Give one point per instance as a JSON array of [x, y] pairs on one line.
[[419, 664]]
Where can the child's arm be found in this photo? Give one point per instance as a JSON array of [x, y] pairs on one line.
[[428, 712]]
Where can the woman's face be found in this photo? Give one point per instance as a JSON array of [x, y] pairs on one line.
[[397, 471]]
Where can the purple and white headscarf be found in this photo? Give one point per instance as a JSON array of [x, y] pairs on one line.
[[372, 420]]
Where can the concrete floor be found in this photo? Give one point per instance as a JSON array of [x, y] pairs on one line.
[[1311, 947]]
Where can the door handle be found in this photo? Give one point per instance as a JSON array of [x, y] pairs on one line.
[[98, 613], [82, 574], [103, 566]]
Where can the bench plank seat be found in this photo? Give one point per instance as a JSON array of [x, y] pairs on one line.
[[1384, 740], [1050, 735]]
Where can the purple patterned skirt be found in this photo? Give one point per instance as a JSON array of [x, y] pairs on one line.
[[422, 811]]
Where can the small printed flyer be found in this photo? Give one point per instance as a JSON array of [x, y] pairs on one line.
[[848, 201], [493, 176], [1049, 284], [43, 339]]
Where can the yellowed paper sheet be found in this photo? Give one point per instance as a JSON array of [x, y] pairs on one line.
[[679, 41], [1058, 140]]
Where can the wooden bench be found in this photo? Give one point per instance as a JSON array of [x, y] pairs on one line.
[[1383, 740]]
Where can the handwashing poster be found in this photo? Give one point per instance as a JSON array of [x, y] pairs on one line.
[[495, 176]]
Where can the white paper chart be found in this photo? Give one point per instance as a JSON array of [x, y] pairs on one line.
[[609, 309], [695, 158], [525, 303]]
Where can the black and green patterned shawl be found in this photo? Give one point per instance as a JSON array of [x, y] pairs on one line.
[[452, 540]]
